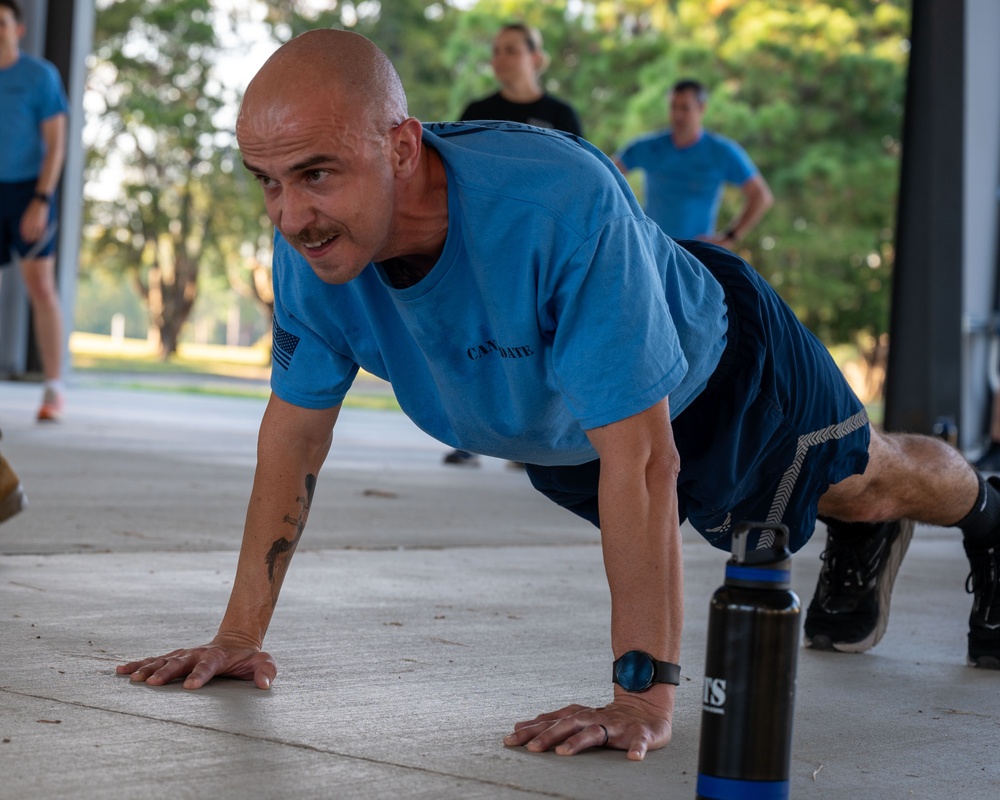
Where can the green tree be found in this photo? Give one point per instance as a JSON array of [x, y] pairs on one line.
[[155, 102]]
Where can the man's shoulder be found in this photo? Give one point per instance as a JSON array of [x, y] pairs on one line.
[[544, 167], [716, 140], [35, 65], [502, 138], [653, 139], [31, 72]]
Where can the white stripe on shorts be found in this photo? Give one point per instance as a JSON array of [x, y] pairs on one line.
[[787, 484]]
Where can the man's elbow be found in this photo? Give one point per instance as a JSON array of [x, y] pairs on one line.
[[767, 198], [763, 196]]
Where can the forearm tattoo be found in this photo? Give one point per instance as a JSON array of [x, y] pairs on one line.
[[281, 551]]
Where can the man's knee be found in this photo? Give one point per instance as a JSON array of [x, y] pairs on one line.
[[868, 496], [39, 279]]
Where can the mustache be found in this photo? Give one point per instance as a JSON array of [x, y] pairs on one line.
[[312, 235]]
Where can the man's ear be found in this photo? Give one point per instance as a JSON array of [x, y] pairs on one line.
[[407, 141]]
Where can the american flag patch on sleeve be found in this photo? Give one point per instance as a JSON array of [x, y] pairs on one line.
[[283, 345]]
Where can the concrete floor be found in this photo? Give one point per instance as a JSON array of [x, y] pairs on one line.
[[427, 609]]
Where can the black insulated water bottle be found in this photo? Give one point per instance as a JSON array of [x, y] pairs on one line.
[[748, 699]]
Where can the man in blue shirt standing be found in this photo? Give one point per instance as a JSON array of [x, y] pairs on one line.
[[32, 151], [686, 168]]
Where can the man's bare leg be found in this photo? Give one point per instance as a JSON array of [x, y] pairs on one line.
[[39, 280]]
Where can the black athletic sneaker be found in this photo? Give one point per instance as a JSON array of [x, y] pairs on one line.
[[850, 610], [983, 584]]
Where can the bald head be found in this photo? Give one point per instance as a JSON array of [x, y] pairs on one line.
[[327, 67]]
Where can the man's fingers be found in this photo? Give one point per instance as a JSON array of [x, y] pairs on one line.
[[133, 666], [146, 669], [552, 716], [637, 750], [555, 734], [265, 674], [199, 665], [524, 732], [622, 725], [171, 668], [592, 736], [201, 673]]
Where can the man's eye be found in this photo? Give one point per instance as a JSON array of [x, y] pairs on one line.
[[315, 174], [265, 181]]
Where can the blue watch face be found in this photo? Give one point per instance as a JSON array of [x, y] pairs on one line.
[[635, 671]]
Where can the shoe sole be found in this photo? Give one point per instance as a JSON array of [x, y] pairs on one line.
[[14, 503], [896, 552]]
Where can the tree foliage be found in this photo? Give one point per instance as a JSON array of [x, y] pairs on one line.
[[154, 103], [812, 88]]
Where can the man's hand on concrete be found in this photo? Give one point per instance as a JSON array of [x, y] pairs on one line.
[[632, 722], [198, 665]]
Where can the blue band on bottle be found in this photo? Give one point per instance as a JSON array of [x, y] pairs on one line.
[[711, 788], [758, 574]]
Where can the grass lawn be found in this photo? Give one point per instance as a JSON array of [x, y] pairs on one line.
[[238, 371]]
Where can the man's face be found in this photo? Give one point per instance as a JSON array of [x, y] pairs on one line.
[[327, 179], [685, 111], [11, 32]]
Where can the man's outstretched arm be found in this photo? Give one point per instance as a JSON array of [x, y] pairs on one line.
[[640, 534], [291, 448]]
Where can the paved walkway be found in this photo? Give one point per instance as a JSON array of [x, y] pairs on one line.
[[427, 609]]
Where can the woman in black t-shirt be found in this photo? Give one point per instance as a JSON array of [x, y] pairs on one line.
[[518, 63]]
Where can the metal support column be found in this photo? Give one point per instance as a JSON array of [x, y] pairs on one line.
[[943, 305], [923, 379]]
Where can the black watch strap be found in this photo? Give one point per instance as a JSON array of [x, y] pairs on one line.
[[45, 198], [637, 671]]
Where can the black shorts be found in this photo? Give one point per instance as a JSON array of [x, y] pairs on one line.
[[776, 425], [14, 200]]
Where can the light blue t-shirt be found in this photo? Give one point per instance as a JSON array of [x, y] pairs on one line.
[[555, 307], [31, 92], [684, 185]]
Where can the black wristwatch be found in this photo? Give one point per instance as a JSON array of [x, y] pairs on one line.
[[637, 671], [45, 198]]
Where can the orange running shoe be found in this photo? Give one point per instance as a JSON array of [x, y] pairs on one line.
[[52, 406]]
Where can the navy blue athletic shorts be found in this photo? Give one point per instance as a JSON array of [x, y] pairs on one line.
[[776, 425], [14, 199]]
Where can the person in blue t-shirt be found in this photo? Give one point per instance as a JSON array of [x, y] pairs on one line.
[[686, 169], [32, 151], [506, 282]]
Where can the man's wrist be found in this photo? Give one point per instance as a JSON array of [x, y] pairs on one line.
[[42, 197], [731, 233]]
